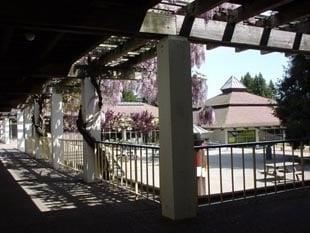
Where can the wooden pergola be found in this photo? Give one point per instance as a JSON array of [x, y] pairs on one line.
[[39, 41]]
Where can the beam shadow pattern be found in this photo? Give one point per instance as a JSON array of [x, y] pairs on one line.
[[53, 190]]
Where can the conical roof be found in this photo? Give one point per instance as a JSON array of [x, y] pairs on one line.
[[233, 84]]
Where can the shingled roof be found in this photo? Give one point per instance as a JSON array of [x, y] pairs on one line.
[[236, 107], [127, 108]]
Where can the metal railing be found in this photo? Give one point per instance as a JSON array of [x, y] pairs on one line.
[[44, 147], [130, 136], [72, 156], [134, 167], [233, 171]]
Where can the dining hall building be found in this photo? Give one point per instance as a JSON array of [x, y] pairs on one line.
[[241, 116]]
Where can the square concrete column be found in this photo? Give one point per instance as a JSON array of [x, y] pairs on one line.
[[90, 112], [56, 128], [36, 113], [257, 135], [6, 130], [1, 131], [20, 131], [178, 189], [28, 122], [28, 128]]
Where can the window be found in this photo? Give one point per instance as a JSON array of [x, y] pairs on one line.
[[240, 136], [270, 134]]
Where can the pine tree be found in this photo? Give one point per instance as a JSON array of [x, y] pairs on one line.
[[257, 85], [293, 97]]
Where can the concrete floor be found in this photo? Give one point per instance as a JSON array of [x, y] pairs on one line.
[[35, 198]]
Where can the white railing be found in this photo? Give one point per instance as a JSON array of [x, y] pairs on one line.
[[72, 154], [45, 147], [132, 166]]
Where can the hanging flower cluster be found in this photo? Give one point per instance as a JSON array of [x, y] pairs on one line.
[[111, 91], [70, 123], [199, 91], [206, 116]]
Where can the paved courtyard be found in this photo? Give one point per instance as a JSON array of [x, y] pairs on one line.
[[35, 198], [236, 174]]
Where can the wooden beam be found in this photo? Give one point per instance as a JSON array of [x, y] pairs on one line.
[[213, 31], [264, 52], [248, 10], [292, 12], [51, 45], [287, 13], [120, 51], [194, 9], [302, 27], [239, 50], [85, 49], [229, 31], [5, 40], [199, 7], [187, 25], [297, 41], [265, 37], [137, 60], [210, 46]]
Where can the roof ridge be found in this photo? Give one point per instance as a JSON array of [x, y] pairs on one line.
[[233, 83]]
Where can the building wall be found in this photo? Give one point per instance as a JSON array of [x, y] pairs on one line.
[[218, 136], [221, 136]]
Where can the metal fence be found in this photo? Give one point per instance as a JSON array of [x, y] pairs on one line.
[[233, 171], [72, 156], [44, 147], [130, 136], [134, 167]]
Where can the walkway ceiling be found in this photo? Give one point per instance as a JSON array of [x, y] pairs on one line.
[[42, 40]]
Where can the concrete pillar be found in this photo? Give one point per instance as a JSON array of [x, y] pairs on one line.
[[36, 112], [56, 128], [225, 133], [90, 112], [20, 131], [28, 128], [178, 185], [27, 122], [257, 135], [1, 131], [124, 135], [6, 130]]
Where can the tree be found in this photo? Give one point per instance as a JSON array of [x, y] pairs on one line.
[[247, 80], [272, 89], [128, 96], [257, 85], [143, 122], [293, 98]]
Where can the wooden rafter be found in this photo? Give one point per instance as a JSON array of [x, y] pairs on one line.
[[213, 32], [5, 40], [301, 27], [193, 10], [253, 8], [137, 60], [122, 50], [286, 14]]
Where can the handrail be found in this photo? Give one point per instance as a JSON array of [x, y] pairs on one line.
[[249, 144], [128, 144]]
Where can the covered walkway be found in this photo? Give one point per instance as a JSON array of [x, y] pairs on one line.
[[36, 198]]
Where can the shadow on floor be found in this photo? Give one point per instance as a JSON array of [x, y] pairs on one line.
[[54, 202]]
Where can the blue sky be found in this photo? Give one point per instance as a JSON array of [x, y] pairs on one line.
[[223, 62]]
